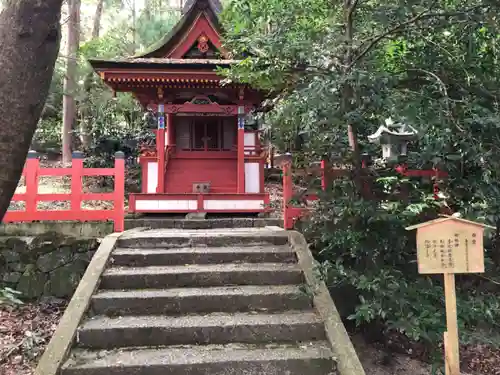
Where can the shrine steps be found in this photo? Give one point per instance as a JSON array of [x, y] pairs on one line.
[[176, 301], [201, 255], [201, 275], [168, 222], [200, 302], [233, 302], [237, 359]]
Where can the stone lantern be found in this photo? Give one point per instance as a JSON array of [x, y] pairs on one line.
[[394, 138]]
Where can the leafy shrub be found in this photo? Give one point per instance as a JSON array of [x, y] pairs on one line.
[[47, 135], [368, 260]]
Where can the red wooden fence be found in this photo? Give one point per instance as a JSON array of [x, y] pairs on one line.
[[32, 171], [291, 214]]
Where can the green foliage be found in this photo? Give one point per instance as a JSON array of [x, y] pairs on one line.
[[363, 247], [431, 64], [104, 124], [151, 30]]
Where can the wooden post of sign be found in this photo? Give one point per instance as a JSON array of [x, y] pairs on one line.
[[446, 354], [448, 246], [452, 356]]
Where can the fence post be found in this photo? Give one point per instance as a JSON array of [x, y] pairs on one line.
[[287, 194], [31, 180], [323, 175], [435, 186], [267, 203], [76, 184], [119, 201]]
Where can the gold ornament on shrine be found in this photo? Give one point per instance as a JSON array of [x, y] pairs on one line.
[[203, 43]]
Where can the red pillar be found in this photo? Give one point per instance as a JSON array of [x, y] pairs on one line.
[[119, 201], [160, 149], [241, 149], [76, 183], [31, 179], [435, 186], [287, 195], [323, 175]]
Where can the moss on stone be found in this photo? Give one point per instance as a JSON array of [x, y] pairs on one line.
[[50, 264], [31, 283]]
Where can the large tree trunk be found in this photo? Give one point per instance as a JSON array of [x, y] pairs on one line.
[[29, 44], [348, 92], [147, 10], [69, 104], [133, 47], [86, 123], [97, 19]]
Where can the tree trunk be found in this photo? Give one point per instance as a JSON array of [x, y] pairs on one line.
[[29, 45], [133, 48], [348, 97], [86, 123], [97, 19], [69, 104], [147, 10]]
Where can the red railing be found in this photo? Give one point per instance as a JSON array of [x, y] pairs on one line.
[[32, 172], [291, 213]]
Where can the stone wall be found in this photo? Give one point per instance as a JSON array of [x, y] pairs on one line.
[[49, 264], [90, 229]]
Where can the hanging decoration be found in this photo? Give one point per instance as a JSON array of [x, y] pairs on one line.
[[161, 116], [203, 46]]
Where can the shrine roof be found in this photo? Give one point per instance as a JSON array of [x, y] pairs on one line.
[[199, 17], [215, 5], [141, 62], [190, 12]]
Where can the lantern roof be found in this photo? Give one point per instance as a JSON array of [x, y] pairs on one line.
[[391, 132]]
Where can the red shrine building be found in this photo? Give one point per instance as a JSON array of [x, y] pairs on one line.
[[206, 159]]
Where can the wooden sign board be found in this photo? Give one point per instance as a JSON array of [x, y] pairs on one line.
[[450, 245]]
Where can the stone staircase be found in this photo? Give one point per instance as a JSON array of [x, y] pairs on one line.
[[201, 302]]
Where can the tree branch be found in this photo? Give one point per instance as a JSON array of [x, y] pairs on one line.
[[444, 91], [375, 40], [420, 16], [352, 8]]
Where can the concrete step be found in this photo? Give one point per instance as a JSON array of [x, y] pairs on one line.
[[172, 238], [210, 223], [311, 358], [171, 257], [201, 276], [139, 331], [200, 300]]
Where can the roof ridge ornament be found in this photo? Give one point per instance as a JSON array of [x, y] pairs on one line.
[[203, 46]]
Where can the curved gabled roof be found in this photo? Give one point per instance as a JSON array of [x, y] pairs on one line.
[[214, 4], [190, 13]]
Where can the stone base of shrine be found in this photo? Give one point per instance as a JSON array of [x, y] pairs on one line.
[[185, 203]]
